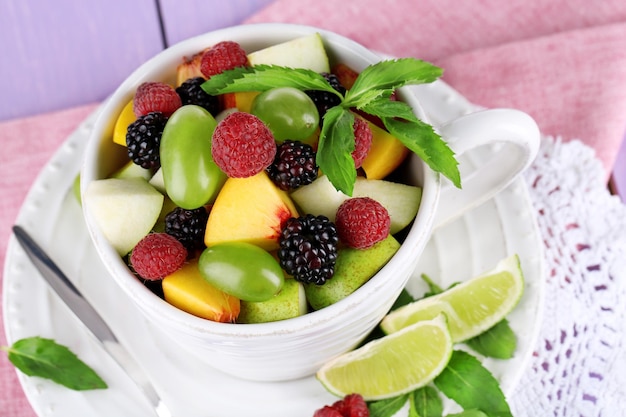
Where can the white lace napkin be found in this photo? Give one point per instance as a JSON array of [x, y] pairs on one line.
[[579, 364]]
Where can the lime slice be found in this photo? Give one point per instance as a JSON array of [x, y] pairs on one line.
[[392, 365], [471, 307]]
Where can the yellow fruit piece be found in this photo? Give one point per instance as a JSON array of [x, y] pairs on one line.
[[392, 365], [242, 101], [471, 307], [385, 155], [126, 117], [187, 290], [250, 210]]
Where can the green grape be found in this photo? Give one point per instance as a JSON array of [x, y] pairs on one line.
[[288, 112], [191, 177], [242, 270]]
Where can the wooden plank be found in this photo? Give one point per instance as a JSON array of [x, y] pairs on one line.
[[184, 19], [63, 53]]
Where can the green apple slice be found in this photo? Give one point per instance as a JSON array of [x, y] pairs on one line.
[[321, 198], [124, 209], [306, 52]]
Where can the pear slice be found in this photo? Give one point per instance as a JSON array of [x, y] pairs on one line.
[[251, 210], [288, 303], [321, 198], [354, 267], [306, 52], [132, 170], [125, 209]]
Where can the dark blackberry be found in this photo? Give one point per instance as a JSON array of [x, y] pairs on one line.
[[143, 139], [308, 248], [324, 100], [187, 226], [191, 92], [293, 166]]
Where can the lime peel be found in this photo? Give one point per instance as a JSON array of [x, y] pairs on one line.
[[471, 307], [392, 365]]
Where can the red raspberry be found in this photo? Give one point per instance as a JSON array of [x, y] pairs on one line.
[[362, 141], [221, 57], [157, 255], [361, 222], [352, 405], [242, 145], [327, 411], [155, 96]]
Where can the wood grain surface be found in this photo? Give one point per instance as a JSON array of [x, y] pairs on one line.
[[64, 53]]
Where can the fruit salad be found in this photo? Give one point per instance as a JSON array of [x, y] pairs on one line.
[[225, 207]]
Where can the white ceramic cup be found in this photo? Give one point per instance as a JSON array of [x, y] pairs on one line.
[[298, 347]]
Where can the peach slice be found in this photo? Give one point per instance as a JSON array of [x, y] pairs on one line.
[[187, 290], [249, 210]]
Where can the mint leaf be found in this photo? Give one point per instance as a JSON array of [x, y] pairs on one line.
[[385, 107], [403, 299], [472, 386], [426, 402], [335, 147], [388, 407], [265, 77], [468, 413], [433, 289], [422, 139], [36, 356], [386, 76], [497, 342]]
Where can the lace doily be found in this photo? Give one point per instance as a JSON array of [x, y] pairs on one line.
[[579, 364]]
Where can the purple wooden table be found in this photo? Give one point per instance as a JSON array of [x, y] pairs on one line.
[[66, 53]]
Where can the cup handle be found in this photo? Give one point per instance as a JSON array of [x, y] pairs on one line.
[[515, 139]]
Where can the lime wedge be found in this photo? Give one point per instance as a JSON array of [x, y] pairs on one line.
[[392, 365], [471, 307]]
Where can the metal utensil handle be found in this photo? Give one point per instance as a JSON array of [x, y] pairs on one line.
[[92, 320]]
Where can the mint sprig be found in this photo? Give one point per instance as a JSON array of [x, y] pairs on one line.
[[370, 93], [37, 356], [265, 77]]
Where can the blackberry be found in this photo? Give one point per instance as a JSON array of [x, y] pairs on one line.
[[325, 100], [308, 248], [187, 226], [191, 92], [143, 139], [293, 166]]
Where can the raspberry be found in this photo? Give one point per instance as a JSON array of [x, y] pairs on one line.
[[293, 166], [188, 226], [362, 222], [327, 411], [362, 141], [155, 96], [324, 100], [221, 57], [143, 140], [308, 248], [352, 405], [191, 92], [242, 145], [157, 255]]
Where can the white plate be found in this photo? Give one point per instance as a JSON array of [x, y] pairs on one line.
[[464, 248]]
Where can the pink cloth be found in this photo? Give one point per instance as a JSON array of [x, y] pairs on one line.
[[563, 62], [41, 136]]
